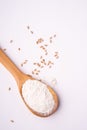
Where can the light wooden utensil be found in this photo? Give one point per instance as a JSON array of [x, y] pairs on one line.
[[20, 78]]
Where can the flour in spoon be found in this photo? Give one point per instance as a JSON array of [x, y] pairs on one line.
[[38, 97]]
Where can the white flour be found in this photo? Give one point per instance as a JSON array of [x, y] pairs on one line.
[[38, 97]]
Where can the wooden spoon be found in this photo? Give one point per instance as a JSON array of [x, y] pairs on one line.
[[20, 78]]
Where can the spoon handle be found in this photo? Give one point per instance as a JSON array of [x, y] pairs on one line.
[[5, 60]]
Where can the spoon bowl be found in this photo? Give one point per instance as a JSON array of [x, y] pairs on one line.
[[21, 78]]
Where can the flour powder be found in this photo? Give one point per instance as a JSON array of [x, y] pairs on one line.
[[38, 97]]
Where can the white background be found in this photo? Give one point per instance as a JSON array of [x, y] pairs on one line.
[[66, 18]]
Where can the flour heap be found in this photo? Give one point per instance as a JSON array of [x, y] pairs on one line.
[[38, 97]]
